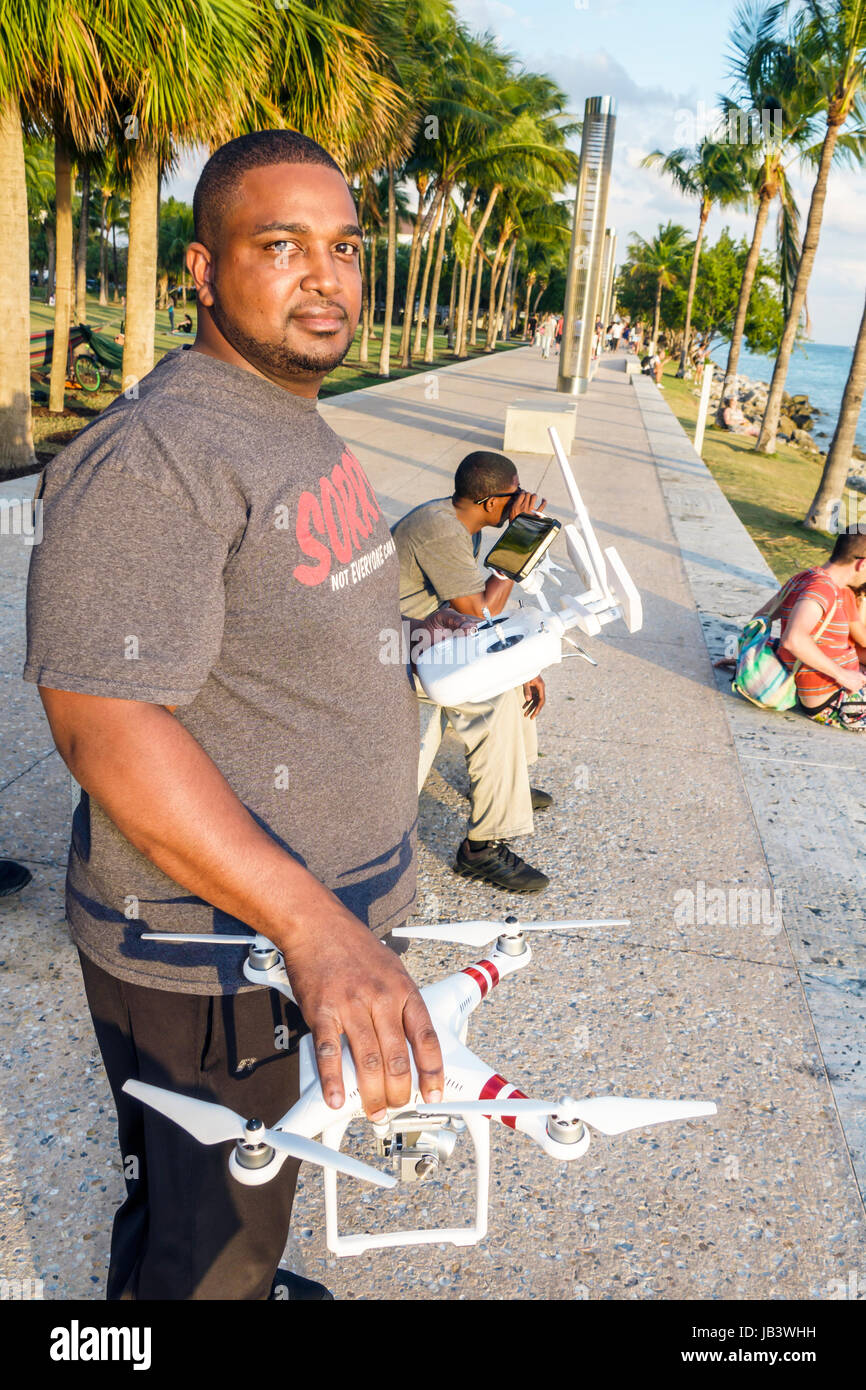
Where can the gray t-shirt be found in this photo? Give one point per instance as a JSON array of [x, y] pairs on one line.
[[214, 545], [438, 558]]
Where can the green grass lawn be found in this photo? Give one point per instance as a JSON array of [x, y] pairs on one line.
[[51, 432], [769, 493]]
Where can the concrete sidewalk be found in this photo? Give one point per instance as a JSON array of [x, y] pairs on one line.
[[707, 993]]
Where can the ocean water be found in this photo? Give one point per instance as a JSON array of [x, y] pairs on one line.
[[817, 370]]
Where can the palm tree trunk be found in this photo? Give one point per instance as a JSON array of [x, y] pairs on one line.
[[103, 257], [529, 284], [743, 302], [766, 441], [452, 332], [63, 292], [510, 277], [437, 276], [116, 294], [425, 279], [16, 429], [542, 286], [656, 315], [495, 272], [371, 308], [693, 279], [51, 238], [473, 327], [498, 310], [412, 277], [385, 353], [141, 266], [363, 346], [463, 307], [838, 462], [466, 268], [81, 251]]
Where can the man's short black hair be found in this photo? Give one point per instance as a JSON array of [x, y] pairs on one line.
[[483, 474], [850, 545], [226, 167]]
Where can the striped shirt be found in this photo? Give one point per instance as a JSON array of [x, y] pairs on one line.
[[835, 640]]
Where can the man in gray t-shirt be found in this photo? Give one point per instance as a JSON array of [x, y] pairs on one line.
[[438, 545], [204, 619]]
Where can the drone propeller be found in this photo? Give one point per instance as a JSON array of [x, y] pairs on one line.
[[213, 1124], [208, 938], [608, 1114], [482, 933]]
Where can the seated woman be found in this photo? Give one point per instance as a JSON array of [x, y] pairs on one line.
[[735, 420], [831, 686]]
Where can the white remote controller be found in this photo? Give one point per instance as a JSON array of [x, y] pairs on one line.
[[500, 655]]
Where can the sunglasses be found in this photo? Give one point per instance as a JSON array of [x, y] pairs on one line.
[[495, 495]]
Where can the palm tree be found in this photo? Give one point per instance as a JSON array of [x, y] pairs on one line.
[[525, 150], [829, 39], [768, 80], [661, 261], [431, 31], [49, 76], [713, 172], [180, 71], [838, 462]]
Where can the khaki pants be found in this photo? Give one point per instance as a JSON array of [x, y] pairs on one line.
[[500, 744]]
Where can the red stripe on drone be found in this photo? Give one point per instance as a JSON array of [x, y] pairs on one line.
[[481, 980], [511, 1120], [491, 971], [492, 1086]]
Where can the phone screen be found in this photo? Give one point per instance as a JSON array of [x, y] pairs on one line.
[[522, 544]]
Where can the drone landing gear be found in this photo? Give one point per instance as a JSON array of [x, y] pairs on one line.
[[421, 1156]]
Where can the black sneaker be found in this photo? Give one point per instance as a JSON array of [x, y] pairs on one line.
[[540, 800], [12, 877], [497, 864], [295, 1287]]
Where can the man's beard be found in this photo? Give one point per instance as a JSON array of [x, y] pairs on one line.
[[275, 359]]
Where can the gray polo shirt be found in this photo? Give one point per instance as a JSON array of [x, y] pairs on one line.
[[438, 558], [214, 545]]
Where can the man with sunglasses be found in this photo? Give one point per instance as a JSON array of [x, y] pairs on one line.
[[438, 545]]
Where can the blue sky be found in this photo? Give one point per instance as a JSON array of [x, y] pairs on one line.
[[665, 62]]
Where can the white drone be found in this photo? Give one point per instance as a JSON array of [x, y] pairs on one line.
[[418, 1138], [505, 652]]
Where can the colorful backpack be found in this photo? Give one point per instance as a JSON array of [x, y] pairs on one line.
[[760, 676]]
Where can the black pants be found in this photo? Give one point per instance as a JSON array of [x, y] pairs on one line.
[[188, 1229]]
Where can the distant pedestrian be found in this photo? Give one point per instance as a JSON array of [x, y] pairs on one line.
[[532, 327], [171, 316], [547, 331], [558, 333]]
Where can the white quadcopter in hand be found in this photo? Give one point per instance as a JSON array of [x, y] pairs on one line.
[[504, 653], [418, 1138]]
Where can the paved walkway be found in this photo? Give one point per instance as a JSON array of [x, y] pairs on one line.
[[735, 981]]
